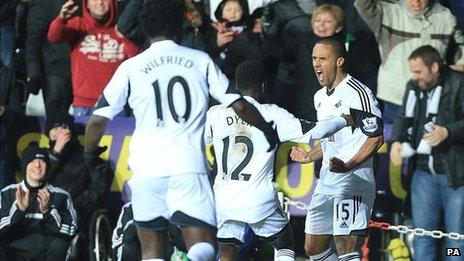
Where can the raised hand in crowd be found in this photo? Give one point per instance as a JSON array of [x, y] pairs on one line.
[[43, 197], [68, 9], [63, 136], [22, 198], [224, 35]]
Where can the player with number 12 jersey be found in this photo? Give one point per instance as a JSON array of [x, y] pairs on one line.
[[244, 192]]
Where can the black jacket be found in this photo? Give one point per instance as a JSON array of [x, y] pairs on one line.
[[19, 227], [87, 188], [196, 38], [8, 12], [42, 57], [247, 45], [450, 115], [9, 97]]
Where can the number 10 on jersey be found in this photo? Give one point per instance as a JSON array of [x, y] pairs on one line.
[[172, 109]]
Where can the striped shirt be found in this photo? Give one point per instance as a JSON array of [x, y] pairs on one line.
[[61, 218], [349, 94]]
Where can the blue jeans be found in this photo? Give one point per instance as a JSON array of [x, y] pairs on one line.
[[82, 111], [431, 197], [7, 45]]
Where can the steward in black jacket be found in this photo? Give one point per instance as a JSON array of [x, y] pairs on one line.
[[37, 220]]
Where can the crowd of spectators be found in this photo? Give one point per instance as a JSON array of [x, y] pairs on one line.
[[70, 49]]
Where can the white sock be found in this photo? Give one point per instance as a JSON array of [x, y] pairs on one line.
[[285, 255], [201, 252], [328, 255], [353, 256]]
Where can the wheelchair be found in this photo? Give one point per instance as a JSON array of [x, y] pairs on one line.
[[93, 242]]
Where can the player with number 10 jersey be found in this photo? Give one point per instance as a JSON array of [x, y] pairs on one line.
[[167, 86]]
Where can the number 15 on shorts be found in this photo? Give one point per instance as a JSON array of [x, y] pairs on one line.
[[345, 211]]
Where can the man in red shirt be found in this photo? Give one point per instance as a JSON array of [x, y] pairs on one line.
[[97, 48]]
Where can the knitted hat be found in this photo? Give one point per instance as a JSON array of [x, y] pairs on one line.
[[56, 119], [32, 152]]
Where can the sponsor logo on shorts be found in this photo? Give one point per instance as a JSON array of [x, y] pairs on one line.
[[344, 225]]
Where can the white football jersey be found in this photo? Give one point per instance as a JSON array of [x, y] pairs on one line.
[[344, 144], [243, 186], [167, 86]]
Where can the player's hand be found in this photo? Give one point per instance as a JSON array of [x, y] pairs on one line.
[[63, 137], [349, 120], [43, 197], [22, 198], [272, 137], [437, 136], [91, 159], [337, 165], [395, 153], [68, 9], [299, 155]]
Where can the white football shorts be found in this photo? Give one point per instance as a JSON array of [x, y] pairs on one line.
[[339, 215]]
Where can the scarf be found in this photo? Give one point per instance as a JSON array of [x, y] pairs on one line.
[[433, 101]]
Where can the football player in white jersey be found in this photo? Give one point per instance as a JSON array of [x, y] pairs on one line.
[[342, 202], [168, 86], [243, 188]]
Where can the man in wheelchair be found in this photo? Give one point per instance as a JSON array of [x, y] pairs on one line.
[[85, 177]]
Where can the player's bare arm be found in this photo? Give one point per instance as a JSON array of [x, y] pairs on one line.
[[369, 147], [300, 155], [94, 131], [349, 120], [251, 115]]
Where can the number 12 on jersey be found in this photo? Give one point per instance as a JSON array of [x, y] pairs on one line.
[[236, 173]]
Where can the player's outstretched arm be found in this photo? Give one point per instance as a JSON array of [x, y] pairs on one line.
[[299, 155], [368, 148], [94, 131], [251, 115], [326, 128]]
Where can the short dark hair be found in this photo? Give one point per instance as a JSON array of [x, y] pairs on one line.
[[338, 46], [249, 75], [428, 55], [162, 18]]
